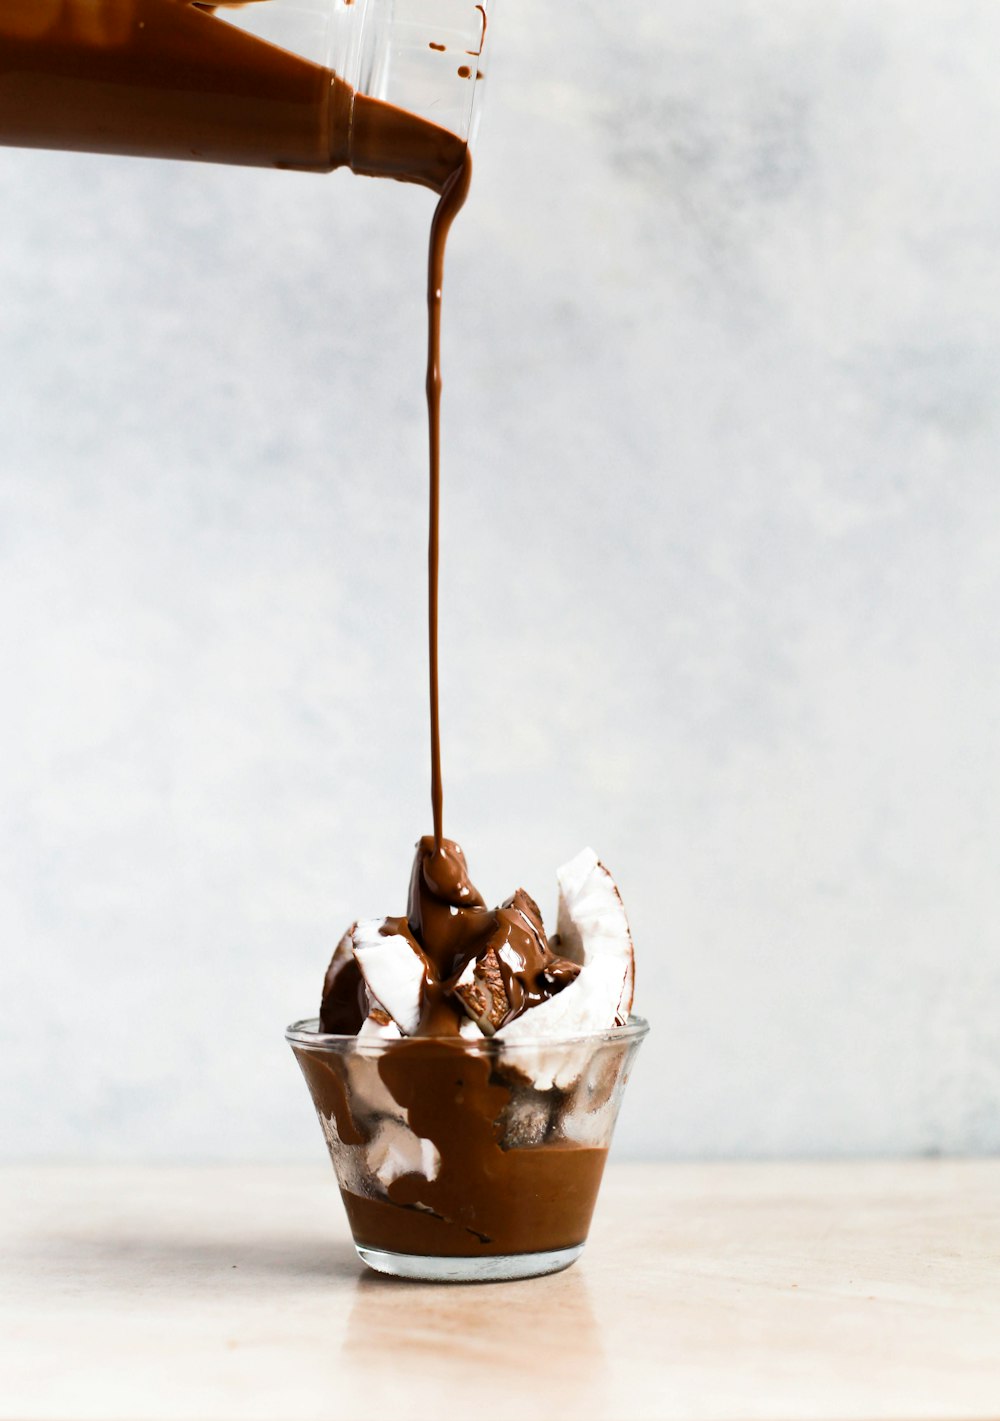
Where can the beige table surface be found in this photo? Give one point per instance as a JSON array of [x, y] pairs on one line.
[[834, 1291]]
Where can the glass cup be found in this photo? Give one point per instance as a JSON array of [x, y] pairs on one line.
[[467, 1160]]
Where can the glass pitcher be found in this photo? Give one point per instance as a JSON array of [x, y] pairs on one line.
[[385, 87]]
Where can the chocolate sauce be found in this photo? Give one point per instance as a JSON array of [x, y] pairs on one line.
[[345, 1003], [490, 964], [488, 1196], [542, 1199], [453, 196]]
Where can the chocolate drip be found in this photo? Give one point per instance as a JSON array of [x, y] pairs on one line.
[[446, 912]]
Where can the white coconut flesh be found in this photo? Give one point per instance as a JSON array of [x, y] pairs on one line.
[[593, 927], [395, 972]]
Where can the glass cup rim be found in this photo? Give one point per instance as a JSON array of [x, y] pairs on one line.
[[303, 1033]]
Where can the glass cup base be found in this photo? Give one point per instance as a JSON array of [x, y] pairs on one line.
[[498, 1268]]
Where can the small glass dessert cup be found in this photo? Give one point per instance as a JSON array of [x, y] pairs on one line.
[[467, 1160]]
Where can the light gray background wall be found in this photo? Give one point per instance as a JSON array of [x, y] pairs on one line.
[[722, 524]]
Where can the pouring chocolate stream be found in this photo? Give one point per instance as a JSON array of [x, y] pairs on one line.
[[178, 79], [440, 1149]]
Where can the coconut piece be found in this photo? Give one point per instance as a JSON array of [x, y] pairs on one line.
[[528, 1119], [369, 1094], [345, 1002], [481, 991], [586, 1006], [593, 926], [593, 933], [394, 968], [395, 1150], [588, 1113], [379, 1026]]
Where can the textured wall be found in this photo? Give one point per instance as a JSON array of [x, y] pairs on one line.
[[721, 579]]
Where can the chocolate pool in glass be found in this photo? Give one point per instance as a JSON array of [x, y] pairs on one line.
[[464, 1160]]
